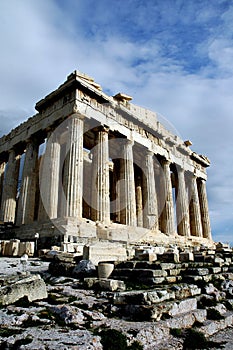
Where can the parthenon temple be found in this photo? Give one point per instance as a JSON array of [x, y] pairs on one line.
[[89, 166]]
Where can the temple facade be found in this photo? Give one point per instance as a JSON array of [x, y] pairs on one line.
[[90, 166]]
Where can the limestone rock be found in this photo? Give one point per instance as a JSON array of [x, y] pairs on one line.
[[104, 251], [111, 285], [68, 314], [85, 268], [32, 287], [227, 286]]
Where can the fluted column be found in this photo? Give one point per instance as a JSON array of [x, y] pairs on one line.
[[10, 188], [167, 222], [194, 210], [115, 203], [182, 205], [204, 209], [73, 173], [150, 205], [139, 202], [26, 202], [127, 192], [100, 187], [2, 173], [49, 178]]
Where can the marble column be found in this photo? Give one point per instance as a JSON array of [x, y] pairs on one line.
[[194, 210], [27, 197], [10, 188], [116, 196], [101, 182], [73, 172], [127, 192], [49, 178], [150, 203], [2, 173], [167, 220], [204, 209], [139, 202], [182, 206]]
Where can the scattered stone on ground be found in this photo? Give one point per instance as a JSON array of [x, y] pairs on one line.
[[147, 304]]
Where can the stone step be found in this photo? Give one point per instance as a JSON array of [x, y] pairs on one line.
[[158, 311], [139, 273], [196, 272], [211, 327], [157, 295]]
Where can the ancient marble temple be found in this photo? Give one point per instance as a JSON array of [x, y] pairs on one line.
[[90, 166]]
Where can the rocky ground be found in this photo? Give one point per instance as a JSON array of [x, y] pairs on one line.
[[73, 317]]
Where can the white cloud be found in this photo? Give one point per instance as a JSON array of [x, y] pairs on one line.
[[41, 43]]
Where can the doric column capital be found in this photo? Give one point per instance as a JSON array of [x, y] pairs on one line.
[[179, 168], [149, 153], [101, 128], [77, 115], [128, 142]]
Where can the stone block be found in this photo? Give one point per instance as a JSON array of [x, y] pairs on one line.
[[72, 248], [199, 257], [210, 252], [6, 248], [150, 256], [187, 320], [13, 247], [215, 269], [147, 265], [167, 266], [33, 287], [159, 250], [159, 296], [192, 279], [26, 248], [129, 273], [142, 273], [64, 257], [158, 280], [186, 256], [169, 257], [134, 298], [174, 272], [183, 307], [184, 291], [221, 308], [42, 252], [212, 327], [171, 279], [173, 309], [126, 264], [104, 251], [219, 261], [207, 278], [111, 285], [198, 271]]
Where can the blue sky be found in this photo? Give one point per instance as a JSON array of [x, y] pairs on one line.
[[174, 57]]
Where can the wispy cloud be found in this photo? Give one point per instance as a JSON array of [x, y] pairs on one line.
[[172, 56]]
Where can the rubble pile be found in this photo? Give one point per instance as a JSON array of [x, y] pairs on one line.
[[156, 299]]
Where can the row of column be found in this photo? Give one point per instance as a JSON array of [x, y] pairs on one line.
[[191, 213]]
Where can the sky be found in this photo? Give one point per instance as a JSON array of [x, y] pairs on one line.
[[174, 57]]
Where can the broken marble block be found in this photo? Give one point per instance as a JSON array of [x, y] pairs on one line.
[[32, 287]]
